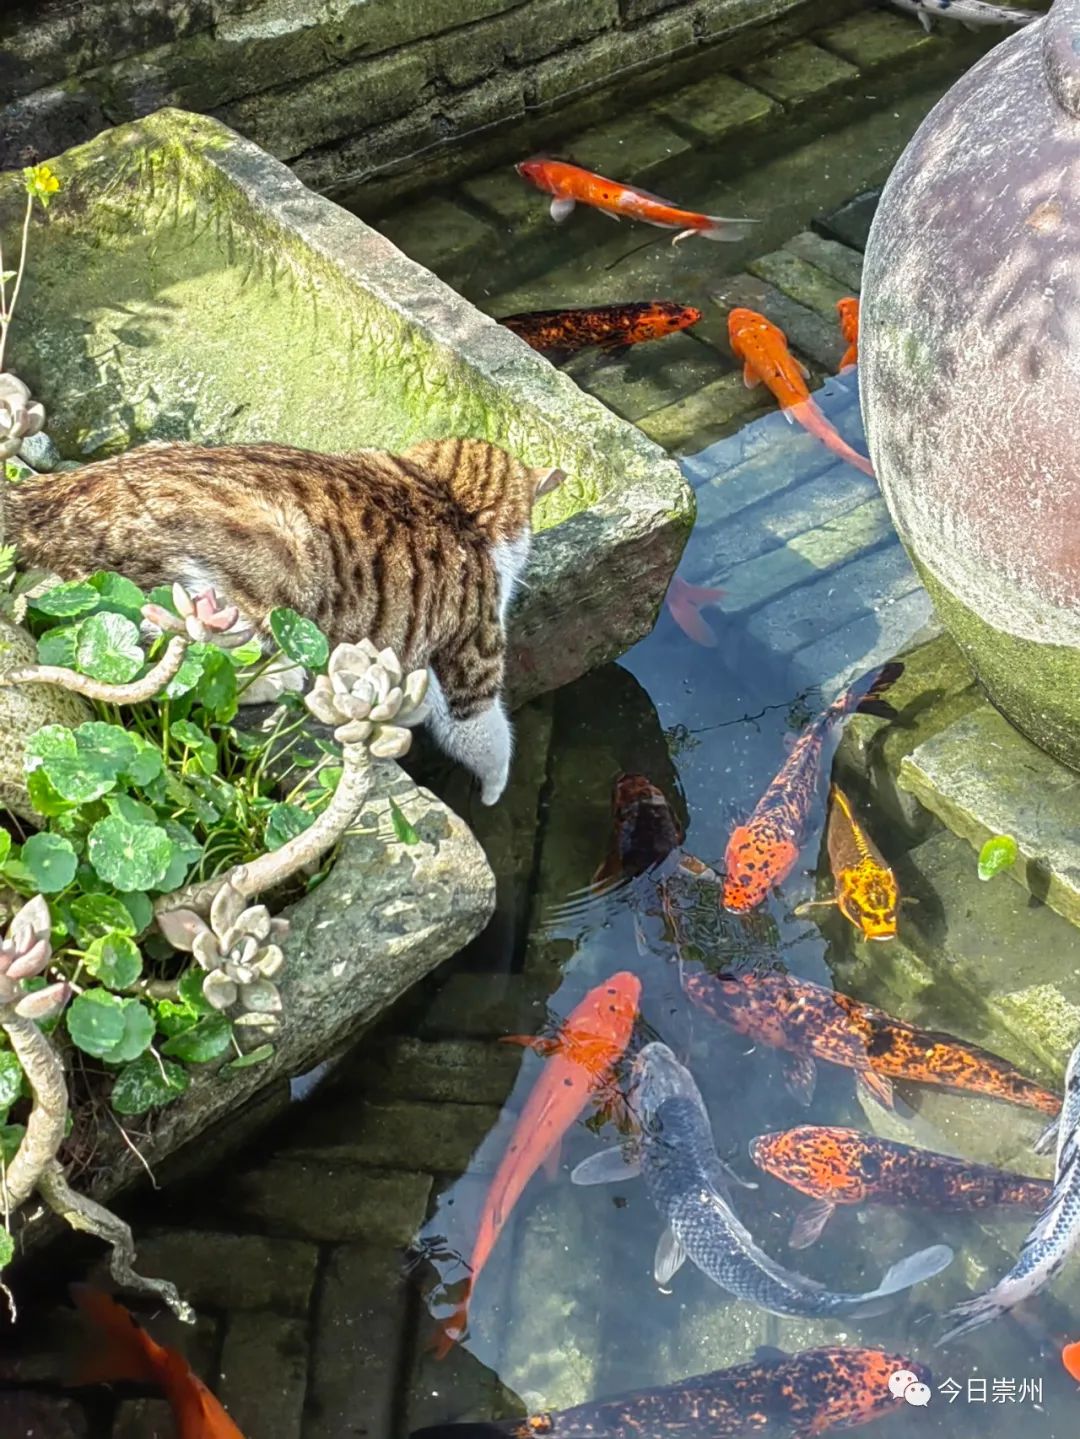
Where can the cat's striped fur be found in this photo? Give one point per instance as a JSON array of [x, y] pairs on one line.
[[420, 551]]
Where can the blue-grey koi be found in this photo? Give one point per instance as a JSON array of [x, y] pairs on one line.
[[1056, 1232], [690, 1186], [974, 14]]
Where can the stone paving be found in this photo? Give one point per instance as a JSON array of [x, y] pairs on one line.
[[310, 1326]]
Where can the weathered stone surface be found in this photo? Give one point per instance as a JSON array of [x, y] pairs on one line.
[[632, 145], [936, 688], [718, 108], [482, 1005], [24, 1412], [850, 223], [800, 72], [981, 777], [905, 616], [144, 1419], [263, 1373], [205, 225], [360, 1326], [804, 282], [842, 262], [456, 1071], [638, 384], [808, 333], [24, 709], [331, 1201], [877, 38], [440, 1138], [228, 1272], [689, 423]]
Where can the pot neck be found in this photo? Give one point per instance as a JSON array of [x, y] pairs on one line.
[[1061, 54]]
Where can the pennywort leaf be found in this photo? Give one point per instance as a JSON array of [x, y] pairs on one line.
[[998, 853], [299, 639], [147, 1082]]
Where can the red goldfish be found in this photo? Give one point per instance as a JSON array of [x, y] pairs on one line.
[[763, 349], [848, 310], [570, 185], [763, 851], [126, 1351], [684, 603], [581, 1062], [605, 327], [1070, 1357]]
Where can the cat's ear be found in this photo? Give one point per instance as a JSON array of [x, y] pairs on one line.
[[547, 480]]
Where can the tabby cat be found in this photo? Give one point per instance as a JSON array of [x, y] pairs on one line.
[[420, 551]]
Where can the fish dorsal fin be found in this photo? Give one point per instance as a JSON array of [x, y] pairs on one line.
[[609, 1166], [670, 1257]]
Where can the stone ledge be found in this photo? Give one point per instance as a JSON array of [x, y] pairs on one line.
[[981, 777]]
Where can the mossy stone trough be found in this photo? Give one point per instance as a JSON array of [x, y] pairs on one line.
[[184, 284]]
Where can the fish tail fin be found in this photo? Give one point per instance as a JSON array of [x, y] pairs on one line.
[[720, 228], [119, 1348], [451, 1330], [864, 695], [684, 604], [972, 1314]]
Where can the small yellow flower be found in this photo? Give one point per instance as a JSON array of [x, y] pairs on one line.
[[40, 182]]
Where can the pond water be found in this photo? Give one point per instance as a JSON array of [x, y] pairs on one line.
[[322, 1257]]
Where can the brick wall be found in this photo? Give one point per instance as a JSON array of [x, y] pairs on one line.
[[366, 99]]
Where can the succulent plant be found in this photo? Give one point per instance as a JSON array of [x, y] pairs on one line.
[[25, 952], [19, 415], [238, 949], [202, 617], [368, 699]]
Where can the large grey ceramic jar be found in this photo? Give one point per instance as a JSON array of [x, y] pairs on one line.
[[970, 369]]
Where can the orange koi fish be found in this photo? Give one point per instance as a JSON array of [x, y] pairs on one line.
[[848, 310], [124, 1350], [867, 893], [581, 1060], [763, 851], [1070, 1357], [684, 604], [811, 1023], [804, 1394], [843, 1166], [763, 349], [604, 327], [570, 185]]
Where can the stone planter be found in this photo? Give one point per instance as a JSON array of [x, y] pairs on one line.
[[971, 369]]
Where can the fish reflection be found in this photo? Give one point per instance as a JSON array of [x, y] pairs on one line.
[[812, 1393]]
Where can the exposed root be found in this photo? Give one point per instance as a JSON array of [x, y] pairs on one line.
[[45, 1127], [270, 870], [93, 1218], [145, 688]]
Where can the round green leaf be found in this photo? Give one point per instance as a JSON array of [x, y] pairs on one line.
[[173, 1018], [190, 672], [997, 854], [190, 990], [129, 856], [106, 745], [75, 598], [101, 914], [45, 797], [141, 910], [51, 860], [299, 639], [198, 741], [95, 1021], [11, 1079], [5, 844], [57, 646], [7, 1249], [108, 648], [131, 809], [115, 960], [285, 822], [118, 594], [216, 691], [146, 764], [246, 1061], [208, 1039], [145, 1083], [138, 1033]]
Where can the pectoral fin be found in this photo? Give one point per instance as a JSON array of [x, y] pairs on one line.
[[560, 209], [800, 1076], [670, 1258], [749, 377], [878, 1086], [551, 1161], [809, 1223], [610, 1166]]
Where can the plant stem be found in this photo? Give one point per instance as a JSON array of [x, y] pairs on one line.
[[45, 1127], [271, 869], [147, 687], [8, 310]]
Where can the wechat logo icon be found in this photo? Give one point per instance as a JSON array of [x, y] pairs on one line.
[[909, 1387]]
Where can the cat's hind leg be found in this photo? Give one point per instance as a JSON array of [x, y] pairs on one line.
[[479, 737]]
